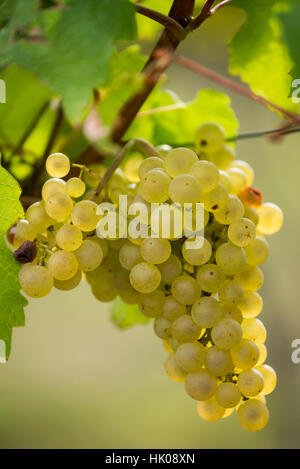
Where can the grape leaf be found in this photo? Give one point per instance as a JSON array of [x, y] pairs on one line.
[[11, 301], [124, 315], [178, 124], [75, 57], [290, 21], [258, 53]]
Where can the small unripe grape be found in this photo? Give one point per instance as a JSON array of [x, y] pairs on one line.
[[89, 255], [59, 206], [57, 165], [253, 415], [201, 385], [179, 161], [145, 277], [210, 410], [75, 187], [63, 265], [69, 237], [36, 281], [173, 369], [210, 137]]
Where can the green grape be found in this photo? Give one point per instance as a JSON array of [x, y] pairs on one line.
[[129, 296], [218, 362], [210, 410], [223, 158], [154, 186], [263, 353], [270, 218], [145, 277], [62, 265], [246, 168], [231, 293], [118, 180], [89, 255], [241, 232], [23, 231], [66, 285], [185, 188], [225, 180], [129, 255], [38, 218], [201, 385], [252, 305], [173, 369], [162, 328], [192, 221], [270, 378], [185, 289], [102, 243], [152, 304], [84, 215], [69, 237], [152, 162], [36, 281], [251, 278], [172, 309], [252, 214], [207, 174], [170, 269], [250, 383], [231, 259], [59, 206], [210, 137], [257, 251], [52, 187], [245, 355], [233, 211], [210, 278], [179, 161], [228, 395], [232, 312], [93, 175], [253, 415], [215, 200], [238, 180], [184, 329], [227, 334], [75, 187], [254, 330], [206, 312], [57, 165], [191, 356], [116, 243], [198, 256], [104, 292], [155, 250]]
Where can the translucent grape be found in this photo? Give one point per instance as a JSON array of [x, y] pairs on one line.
[[23, 231], [241, 232], [251, 278], [210, 278], [218, 362], [75, 187], [254, 330], [238, 180], [179, 161], [231, 259], [231, 293], [185, 289], [152, 304], [207, 174], [89, 255], [270, 218], [66, 285], [154, 186], [38, 218], [104, 292], [252, 305], [252, 214], [257, 251], [233, 210], [206, 312], [191, 356], [69, 237], [162, 328], [228, 395], [36, 281], [185, 188], [57, 165], [129, 255], [84, 215], [210, 137], [52, 187], [232, 312], [172, 309], [245, 355], [224, 157], [253, 415], [184, 329], [210, 410], [225, 179], [198, 256], [152, 162], [59, 206], [145, 277], [173, 369], [201, 385], [270, 378], [250, 382], [155, 250], [227, 334], [63, 265], [246, 168], [263, 353], [215, 200], [170, 269]]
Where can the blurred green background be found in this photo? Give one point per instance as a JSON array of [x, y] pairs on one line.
[[75, 381]]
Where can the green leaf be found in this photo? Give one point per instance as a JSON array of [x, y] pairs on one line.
[[290, 21], [259, 55], [11, 301], [178, 125], [124, 315], [74, 60]]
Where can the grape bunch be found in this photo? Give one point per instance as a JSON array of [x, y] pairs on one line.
[[204, 302]]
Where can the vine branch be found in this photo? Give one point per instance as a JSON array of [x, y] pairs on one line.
[[168, 22]]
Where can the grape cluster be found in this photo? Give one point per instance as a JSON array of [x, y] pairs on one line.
[[204, 302]]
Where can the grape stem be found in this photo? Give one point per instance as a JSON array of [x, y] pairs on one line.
[[169, 23], [136, 144]]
